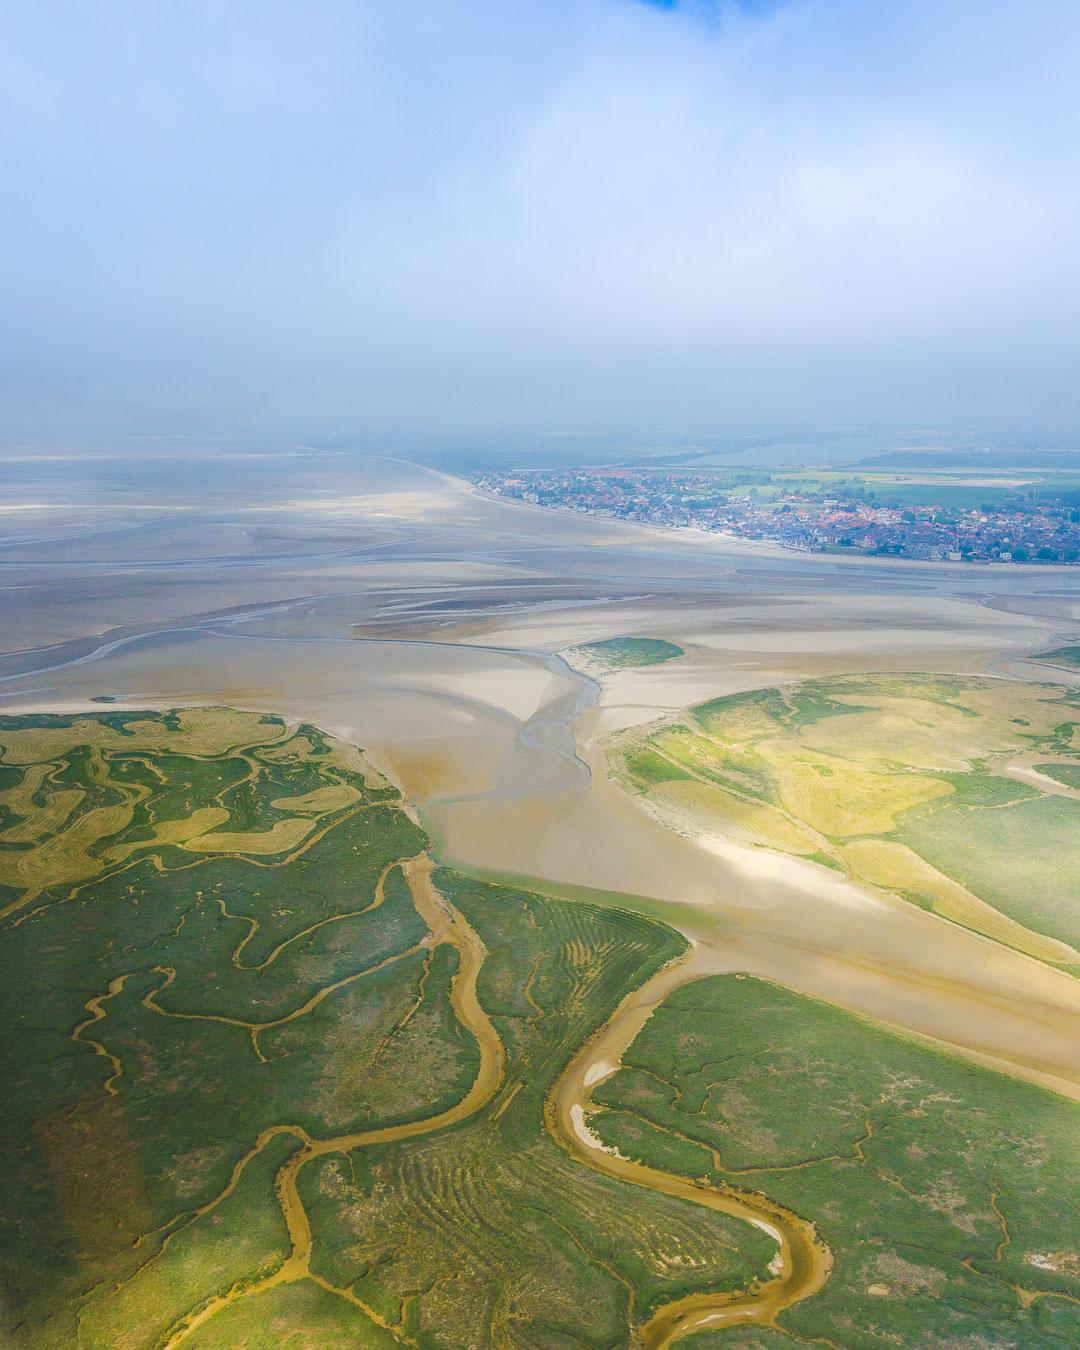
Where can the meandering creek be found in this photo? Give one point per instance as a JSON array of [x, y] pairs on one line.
[[446, 925], [802, 1262]]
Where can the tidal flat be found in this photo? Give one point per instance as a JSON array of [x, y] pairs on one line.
[[438, 631]]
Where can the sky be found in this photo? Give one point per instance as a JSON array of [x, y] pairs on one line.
[[461, 217]]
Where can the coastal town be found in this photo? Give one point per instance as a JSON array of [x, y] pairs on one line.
[[814, 515]]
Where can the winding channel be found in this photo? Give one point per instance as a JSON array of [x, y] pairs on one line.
[[447, 925], [802, 1263], [800, 1267]]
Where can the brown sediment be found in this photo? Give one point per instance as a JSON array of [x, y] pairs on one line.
[[802, 1262], [1029, 1296], [179, 1222]]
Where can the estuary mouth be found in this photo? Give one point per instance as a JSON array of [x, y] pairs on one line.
[[485, 918]]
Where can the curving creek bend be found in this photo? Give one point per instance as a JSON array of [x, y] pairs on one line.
[[800, 1266], [802, 1262], [492, 750]]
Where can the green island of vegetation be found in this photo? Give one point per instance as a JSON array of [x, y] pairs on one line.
[[1060, 656], [959, 794], [273, 1079], [939, 1186], [622, 653]]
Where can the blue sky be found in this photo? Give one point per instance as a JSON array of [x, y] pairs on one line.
[[348, 217], [748, 6]]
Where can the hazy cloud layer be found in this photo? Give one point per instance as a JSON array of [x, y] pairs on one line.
[[347, 216]]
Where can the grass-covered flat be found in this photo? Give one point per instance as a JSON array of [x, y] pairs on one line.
[[958, 794], [947, 1194], [622, 653], [1061, 656], [264, 1070]]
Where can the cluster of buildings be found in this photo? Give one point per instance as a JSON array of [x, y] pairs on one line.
[[814, 517]]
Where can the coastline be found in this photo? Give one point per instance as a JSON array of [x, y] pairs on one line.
[[735, 546]]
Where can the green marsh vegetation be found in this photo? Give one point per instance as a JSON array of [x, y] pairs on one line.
[[947, 1193], [921, 785], [234, 961], [621, 653], [1061, 656]]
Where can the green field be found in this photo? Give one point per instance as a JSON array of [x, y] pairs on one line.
[[621, 653], [919, 785], [183, 1016], [951, 496], [1066, 774], [1061, 656], [948, 1194], [954, 491]]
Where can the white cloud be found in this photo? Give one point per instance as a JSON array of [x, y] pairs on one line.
[[454, 213]]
